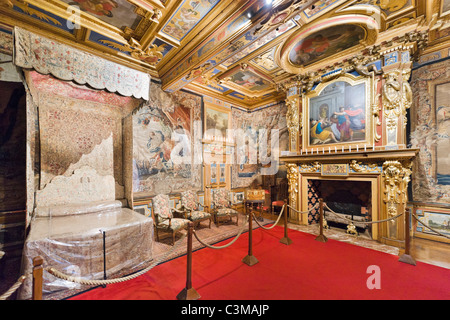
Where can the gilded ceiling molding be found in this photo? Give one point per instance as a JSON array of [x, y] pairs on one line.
[[24, 6], [152, 55]]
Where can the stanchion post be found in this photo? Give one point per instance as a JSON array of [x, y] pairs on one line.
[[286, 240], [189, 293], [38, 271], [406, 257], [250, 259], [321, 236]]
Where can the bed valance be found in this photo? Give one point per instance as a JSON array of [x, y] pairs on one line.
[[32, 51]]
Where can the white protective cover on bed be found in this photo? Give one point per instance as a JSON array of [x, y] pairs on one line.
[[70, 239]]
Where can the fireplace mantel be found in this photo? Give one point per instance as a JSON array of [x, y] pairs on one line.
[[388, 171], [325, 156]]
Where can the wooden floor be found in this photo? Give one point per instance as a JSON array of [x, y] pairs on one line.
[[428, 251], [432, 252]]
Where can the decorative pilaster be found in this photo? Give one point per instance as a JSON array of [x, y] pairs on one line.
[[294, 122], [396, 178], [292, 176]]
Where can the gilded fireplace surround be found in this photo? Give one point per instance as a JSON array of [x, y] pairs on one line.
[[388, 171]]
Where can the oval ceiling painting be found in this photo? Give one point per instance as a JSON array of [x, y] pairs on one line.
[[324, 43]]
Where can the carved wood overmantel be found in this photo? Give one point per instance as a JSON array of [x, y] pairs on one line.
[[388, 171]]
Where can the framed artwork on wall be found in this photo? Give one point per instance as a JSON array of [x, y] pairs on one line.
[[338, 113], [213, 179], [222, 173], [216, 122]]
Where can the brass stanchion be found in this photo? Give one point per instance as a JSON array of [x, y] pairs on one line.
[[286, 240], [406, 257], [321, 236], [189, 293], [38, 271], [250, 258]]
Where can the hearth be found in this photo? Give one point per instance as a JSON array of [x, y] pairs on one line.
[[344, 201], [385, 171]]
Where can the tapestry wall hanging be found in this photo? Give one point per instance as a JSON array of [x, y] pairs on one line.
[[258, 125], [430, 132], [164, 132]]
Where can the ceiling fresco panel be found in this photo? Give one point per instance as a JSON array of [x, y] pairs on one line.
[[119, 13], [186, 17], [325, 43], [241, 51]]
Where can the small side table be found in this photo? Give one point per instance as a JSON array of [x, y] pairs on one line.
[[249, 204]]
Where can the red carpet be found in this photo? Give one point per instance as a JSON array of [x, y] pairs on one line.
[[306, 269]]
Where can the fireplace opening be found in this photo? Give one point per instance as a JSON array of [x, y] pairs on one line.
[[348, 200]]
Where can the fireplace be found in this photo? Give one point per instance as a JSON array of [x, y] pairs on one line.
[[382, 175], [348, 200]]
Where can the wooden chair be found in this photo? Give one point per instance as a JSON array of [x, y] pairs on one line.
[[222, 209], [191, 205], [163, 217]]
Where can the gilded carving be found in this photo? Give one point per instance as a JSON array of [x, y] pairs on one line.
[[151, 55], [293, 117], [391, 90], [406, 94], [396, 179], [292, 176], [313, 167], [360, 64], [392, 103], [392, 5], [376, 114], [364, 168]]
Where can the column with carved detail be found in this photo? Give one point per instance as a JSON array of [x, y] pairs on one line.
[[293, 118], [396, 176], [292, 176], [397, 96]]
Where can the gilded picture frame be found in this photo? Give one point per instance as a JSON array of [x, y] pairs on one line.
[[337, 114]]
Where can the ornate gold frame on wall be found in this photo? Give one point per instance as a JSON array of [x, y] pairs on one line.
[[305, 130]]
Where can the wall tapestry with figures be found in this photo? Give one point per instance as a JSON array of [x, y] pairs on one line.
[[247, 167], [430, 132], [164, 143]]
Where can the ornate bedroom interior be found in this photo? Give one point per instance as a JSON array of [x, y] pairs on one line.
[[129, 120]]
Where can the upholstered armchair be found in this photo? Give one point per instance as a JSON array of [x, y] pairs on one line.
[[164, 219], [222, 208], [191, 205]]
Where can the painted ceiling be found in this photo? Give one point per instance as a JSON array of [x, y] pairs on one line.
[[229, 50]]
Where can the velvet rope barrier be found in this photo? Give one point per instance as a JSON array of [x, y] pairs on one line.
[[224, 246], [307, 211], [275, 223], [13, 288], [367, 222]]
